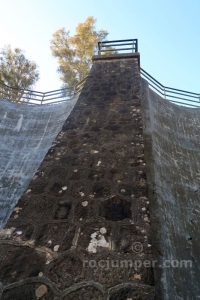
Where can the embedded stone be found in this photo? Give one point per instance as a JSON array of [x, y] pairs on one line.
[[19, 232], [97, 240], [17, 209], [103, 230], [56, 247], [84, 203], [94, 151], [98, 164], [64, 188], [41, 291], [137, 276]]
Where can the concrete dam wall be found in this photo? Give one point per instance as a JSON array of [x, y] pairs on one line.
[[26, 134], [172, 136], [115, 198]]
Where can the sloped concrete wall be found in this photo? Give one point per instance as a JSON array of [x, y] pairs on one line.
[[172, 141], [26, 134]]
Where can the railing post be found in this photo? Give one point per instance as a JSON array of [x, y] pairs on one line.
[[165, 93], [136, 45], [99, 48], [43, 95]]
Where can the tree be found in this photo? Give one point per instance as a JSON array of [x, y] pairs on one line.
[[17, 72], [74, 53]]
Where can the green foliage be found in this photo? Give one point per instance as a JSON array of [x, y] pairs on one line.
[[17, 72], [74, 53]]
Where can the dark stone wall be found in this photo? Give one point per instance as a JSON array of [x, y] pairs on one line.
[[84, 218]]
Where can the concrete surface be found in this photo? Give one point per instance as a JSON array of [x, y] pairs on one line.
[[26, 134], [172, 141]]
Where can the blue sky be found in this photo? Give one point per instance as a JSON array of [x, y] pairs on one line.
[[168, 32]]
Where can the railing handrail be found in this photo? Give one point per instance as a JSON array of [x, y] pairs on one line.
[[104, 45], [177, 96], [56, 96], [35, 97], [172, 94]]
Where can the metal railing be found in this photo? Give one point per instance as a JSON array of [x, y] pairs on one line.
[[181, 97], [177, 96], [34, 97], [117, 46]]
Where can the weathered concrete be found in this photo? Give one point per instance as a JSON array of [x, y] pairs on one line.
[[85, 219], [172, 141], [26, 134]]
